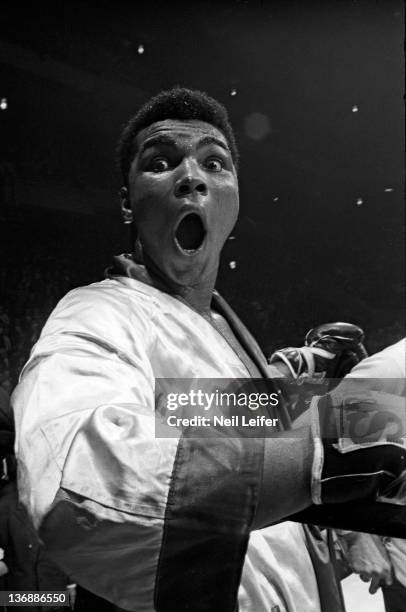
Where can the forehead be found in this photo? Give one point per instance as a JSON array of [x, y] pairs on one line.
[[187, 131]]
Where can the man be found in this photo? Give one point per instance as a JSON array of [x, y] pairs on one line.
[[381, 560], [160, 523], [330, 352], [24, 564]]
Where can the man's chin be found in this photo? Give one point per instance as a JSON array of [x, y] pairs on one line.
[[178, 269], [189, 273], [196, 271]]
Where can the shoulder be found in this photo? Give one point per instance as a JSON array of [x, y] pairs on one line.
[[396, 355], [103, 303], [390, 362], [117, 293], [385, 370], [119, 314]]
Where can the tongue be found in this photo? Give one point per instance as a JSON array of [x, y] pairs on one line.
[[190, 232]]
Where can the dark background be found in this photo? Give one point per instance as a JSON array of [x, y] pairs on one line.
[[318, 114]]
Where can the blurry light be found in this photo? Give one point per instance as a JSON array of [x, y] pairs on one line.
[[231, 237], [355, 109], [3, 104], [359, 201], [276, 198], [388, 189], [257, 126], [233, 92], [233, 265], [140, 49]]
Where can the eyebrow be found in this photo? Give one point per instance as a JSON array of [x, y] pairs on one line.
[[170, 141], [155, 140], [213, 140]]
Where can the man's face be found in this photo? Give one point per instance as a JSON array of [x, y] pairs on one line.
[[183, 190]]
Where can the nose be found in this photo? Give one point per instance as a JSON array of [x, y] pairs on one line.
[[189, 183]]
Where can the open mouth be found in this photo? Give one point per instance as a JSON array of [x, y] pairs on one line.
[[190, 233]]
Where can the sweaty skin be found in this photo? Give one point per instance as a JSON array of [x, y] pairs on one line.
[[183, 167]]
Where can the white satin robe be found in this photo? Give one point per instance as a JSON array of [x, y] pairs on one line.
[[84, 412]]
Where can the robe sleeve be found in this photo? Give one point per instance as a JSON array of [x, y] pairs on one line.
[[148, 523]]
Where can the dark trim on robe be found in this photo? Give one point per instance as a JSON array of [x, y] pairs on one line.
[[205, 574]]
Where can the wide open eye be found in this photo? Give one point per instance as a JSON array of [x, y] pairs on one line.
[[158, 164], [214, 164]]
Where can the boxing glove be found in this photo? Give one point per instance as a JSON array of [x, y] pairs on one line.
[[330, 350]]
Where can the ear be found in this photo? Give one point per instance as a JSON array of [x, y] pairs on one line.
[[125, 206]]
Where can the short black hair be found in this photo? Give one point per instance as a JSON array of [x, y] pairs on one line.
[[176, 103]]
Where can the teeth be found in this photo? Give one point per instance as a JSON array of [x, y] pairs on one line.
[[190, 251]]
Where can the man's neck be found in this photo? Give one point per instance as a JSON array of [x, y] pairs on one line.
[[198, 296]]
